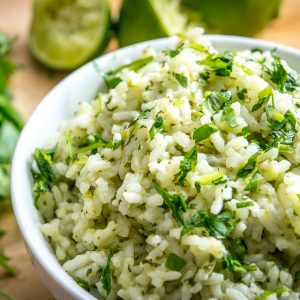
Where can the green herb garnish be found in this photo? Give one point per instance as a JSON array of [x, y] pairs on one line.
[[244, 204], [228, 116], [183, 80], [249, 166], [263, 98], [232, 264], [175, 202], [215, 101], [186, 165], [220, 63], [157, 126], [252, 185], [174, 262], [205, 131], [219, 226], [106, 274], [278, 291]]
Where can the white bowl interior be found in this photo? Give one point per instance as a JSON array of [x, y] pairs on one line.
[[57, 106]]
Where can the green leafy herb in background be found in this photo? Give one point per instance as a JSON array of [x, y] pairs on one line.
[[10, 126], [10, 121]]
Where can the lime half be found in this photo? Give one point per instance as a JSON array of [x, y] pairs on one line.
[[66, 33], [142, 20], [239, 17]]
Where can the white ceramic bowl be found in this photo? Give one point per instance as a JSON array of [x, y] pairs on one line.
[[57, 106]]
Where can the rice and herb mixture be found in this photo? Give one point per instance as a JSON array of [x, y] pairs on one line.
[[181, 180]]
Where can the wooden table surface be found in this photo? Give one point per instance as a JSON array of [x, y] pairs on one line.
[[32, 82]]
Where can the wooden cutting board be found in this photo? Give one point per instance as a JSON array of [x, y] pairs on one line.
[[32, 82]]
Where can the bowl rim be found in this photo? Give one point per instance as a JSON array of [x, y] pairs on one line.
[[28, 229]]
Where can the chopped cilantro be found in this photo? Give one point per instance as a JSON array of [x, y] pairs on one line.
[[220, 180], [228, 115], [198, 187], [44, 164], [238, 249], [174, 262], [205, 131], [112, 80], [215, 101], [186, 165], [249, 166], [278, 291], [244, 204], [245, 131], [157, 126], [242, 94], [212, 177], [283, 132], [70, 146], [134, 66], [263, 98], [219, 226], [232, 264], [106, 274], [174, 52], [252, 185], [183, 80], [175, 202], [198, 47], [220, 63]]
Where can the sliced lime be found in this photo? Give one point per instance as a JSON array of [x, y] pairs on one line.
[[240, 17], [66, 33], [142, 20]]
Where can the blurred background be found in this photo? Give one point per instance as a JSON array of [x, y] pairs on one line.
[[39, 45]]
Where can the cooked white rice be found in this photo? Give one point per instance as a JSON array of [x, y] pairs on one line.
[[119, 154]]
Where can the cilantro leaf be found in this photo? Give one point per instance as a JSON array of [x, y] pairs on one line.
[[134, 66], [220, 63], [156, 127], [238, 249], [279, 76], [174, 262], [106, 274], [252, 185], [183, 80], [230, 263], [219, 226], [44, 164], [249, 166], [283, 80], [283, 132], [174, 52], [263, 98], [186, 165], [112, 80], [278, 291], [228, 115], [244, 204], [215, 101], [175, 202], [205, 131]]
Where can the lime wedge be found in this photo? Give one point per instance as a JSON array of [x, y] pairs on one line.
[[66, 33], [239, 17], [142, 20]]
